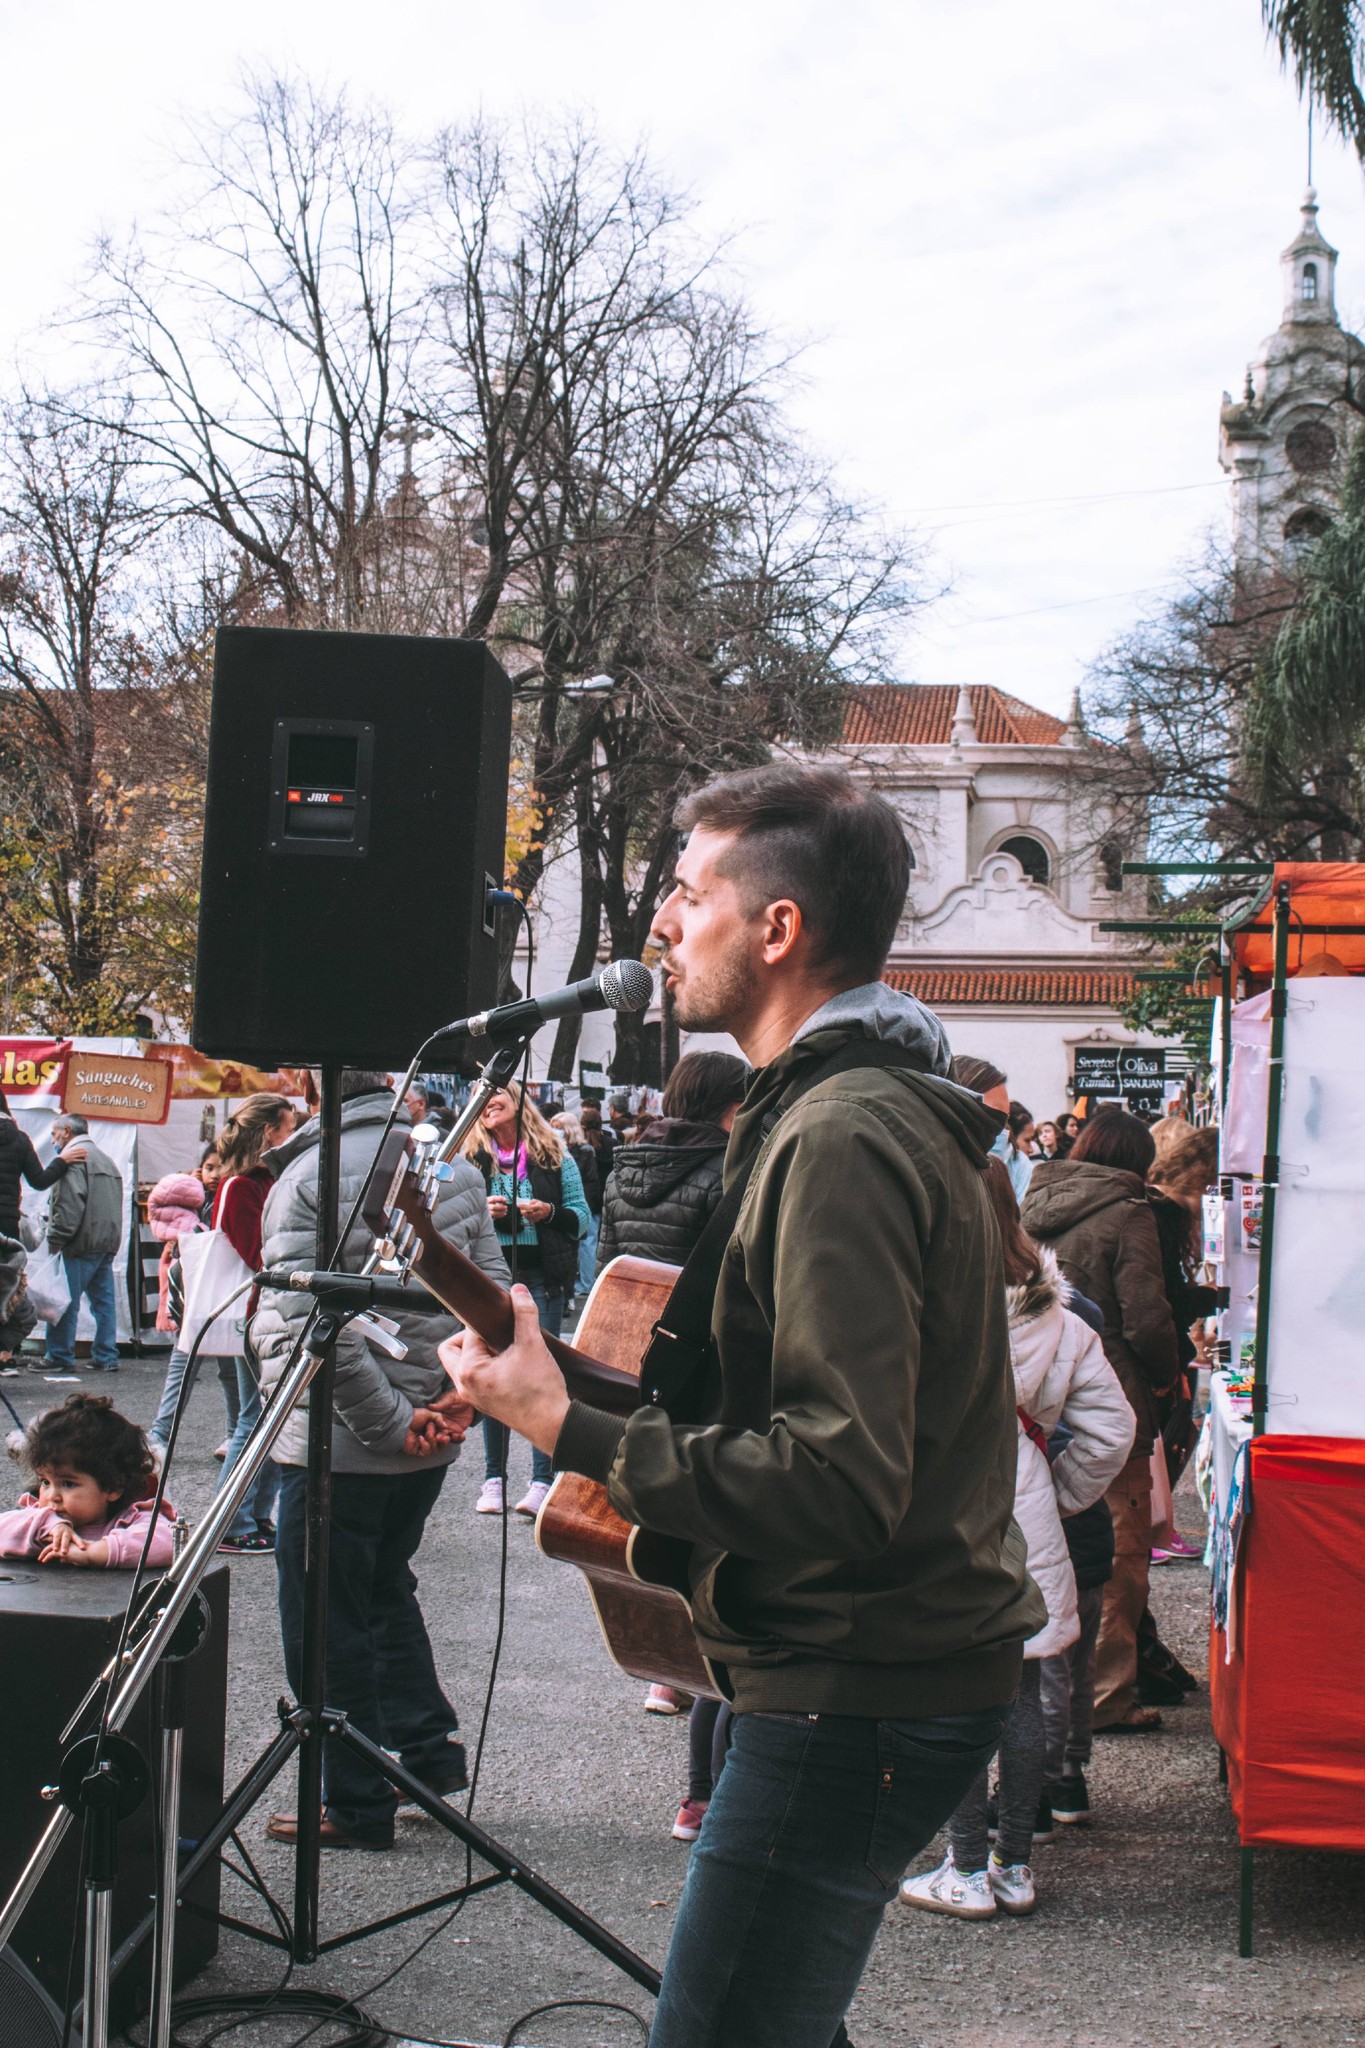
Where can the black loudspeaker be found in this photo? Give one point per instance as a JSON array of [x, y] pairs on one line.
[[58, 1627], [354, 826], [28, 2017]]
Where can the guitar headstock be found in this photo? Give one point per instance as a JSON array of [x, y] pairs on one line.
[[403, 1190]]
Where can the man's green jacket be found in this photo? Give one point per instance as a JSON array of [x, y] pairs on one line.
[[850, 1503]]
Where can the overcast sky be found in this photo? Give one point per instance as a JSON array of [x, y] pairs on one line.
[[1029, 246]]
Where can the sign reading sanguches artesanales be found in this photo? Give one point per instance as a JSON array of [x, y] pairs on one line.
[[107, 1087]]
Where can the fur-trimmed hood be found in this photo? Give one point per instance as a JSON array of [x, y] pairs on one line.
[[1044, 1291]]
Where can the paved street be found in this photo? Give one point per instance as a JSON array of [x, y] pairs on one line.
[[1133, 1942]]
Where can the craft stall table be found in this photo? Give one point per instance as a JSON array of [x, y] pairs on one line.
[[1287, 1676], [1286, 1464]]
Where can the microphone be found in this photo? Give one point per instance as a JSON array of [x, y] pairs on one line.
[[356, 1291], [620, 985]]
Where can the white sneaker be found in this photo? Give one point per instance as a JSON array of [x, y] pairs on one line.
[[489, 1501], [1012, 1884], [965, 1894], [530, 1502]]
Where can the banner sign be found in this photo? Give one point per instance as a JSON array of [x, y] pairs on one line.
[[199, 1078], [112, 1089], [32, 1066], [1131, 1074]]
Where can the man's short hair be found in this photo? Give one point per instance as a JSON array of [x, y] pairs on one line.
[[67, 1121], [364, 1081], [815, 836]]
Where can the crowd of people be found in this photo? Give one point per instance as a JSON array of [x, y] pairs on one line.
[[1099, 1221]]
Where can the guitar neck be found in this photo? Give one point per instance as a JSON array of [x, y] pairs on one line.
[[478, 1301]]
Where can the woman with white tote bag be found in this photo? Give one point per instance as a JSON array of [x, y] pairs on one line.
[[217, 1263]]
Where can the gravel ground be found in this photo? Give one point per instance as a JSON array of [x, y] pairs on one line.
[[1134, 1941]]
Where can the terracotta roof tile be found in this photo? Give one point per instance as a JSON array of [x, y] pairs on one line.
[[921, 714], [1047, 987]]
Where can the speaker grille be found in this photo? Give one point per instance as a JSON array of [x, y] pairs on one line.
[[28, 2018]]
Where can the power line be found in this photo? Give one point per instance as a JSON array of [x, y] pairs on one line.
[[1070, 603], [1072, 498]]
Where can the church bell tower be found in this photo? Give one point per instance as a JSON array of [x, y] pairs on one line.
[[1283, 440]]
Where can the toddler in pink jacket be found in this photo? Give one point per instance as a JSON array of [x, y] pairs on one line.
[[96, 1481]]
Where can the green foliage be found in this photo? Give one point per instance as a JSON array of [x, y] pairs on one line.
[[1320, 42]]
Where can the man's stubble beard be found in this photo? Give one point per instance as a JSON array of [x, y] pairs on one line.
[[719, 999]]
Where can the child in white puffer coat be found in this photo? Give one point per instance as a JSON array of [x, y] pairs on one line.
[[1060, 1375]]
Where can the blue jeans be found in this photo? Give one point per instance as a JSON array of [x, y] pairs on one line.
[[257, 1509], [808, 1834], [380, 1669], [93, 1278], [496, 1436], [175, 1379]]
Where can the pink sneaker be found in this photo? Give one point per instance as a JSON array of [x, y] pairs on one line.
[[1175, 1550], [663, 1699], [687, 1826]]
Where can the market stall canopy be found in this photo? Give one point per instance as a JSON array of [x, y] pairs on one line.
[[1321, 893]]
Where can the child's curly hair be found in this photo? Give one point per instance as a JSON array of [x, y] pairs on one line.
[[87, 1434]]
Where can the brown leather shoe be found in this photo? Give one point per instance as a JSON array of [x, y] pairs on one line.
[[284, 1827], [1137, 1721]]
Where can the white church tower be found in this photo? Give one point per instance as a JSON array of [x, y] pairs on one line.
[[1282, 442]]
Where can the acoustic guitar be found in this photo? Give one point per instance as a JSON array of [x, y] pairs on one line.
[[637, 1580]]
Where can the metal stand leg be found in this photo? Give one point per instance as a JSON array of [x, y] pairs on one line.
[[1244, 1903], [99, 1920], [169, 1713], [163, 1951], [104, 1781], [317, 1534]]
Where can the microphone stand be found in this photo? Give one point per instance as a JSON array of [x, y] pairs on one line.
[[306, 1723]]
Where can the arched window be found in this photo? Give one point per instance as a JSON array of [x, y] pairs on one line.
[[1303, 527], [1308, 289], [1031, 856]]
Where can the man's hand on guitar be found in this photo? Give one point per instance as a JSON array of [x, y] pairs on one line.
[[521, 1386]]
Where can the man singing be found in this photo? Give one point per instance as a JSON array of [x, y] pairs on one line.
[[846, 1479]]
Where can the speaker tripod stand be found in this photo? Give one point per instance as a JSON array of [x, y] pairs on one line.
[[307, 1722]]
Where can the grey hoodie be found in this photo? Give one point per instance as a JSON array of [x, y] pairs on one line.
[[375, 1395]]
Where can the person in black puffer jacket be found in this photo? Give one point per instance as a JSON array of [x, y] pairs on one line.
[[657, 1203], [664, 1187]]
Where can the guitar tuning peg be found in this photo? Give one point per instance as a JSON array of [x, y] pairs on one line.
[[442, 1170], [386, 1248]]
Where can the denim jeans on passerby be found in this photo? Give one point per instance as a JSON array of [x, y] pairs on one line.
[[175, 1379], [812, 1825], [254, 1516], [93, 1278], [380, 1669], [550, 1302], [1069, 1694]]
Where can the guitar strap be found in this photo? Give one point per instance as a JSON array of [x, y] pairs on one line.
[[678, 1368]]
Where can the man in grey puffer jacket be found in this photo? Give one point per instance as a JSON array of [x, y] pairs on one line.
[[385, 1482]]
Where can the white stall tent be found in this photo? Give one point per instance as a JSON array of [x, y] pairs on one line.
[[1316, 1345]]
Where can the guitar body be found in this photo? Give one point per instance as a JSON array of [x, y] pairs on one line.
[[636, 1579]]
